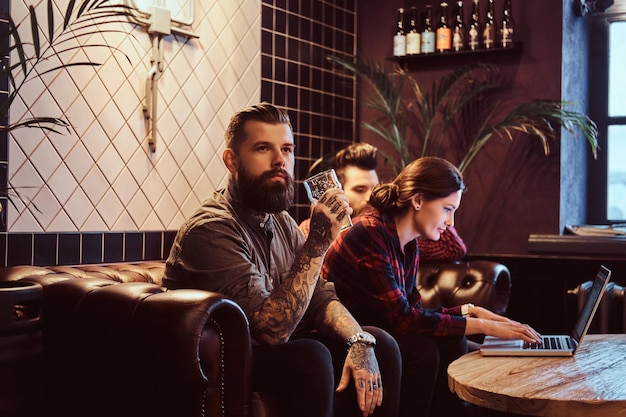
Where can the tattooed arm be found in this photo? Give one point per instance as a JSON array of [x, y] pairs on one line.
[[360, 364], [277, 317]]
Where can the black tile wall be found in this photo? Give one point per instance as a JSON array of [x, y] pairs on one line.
[[46, 249], [153, 246], [133, 247], [20, 248], [113, 247], [296, 38], [69, 249], [91, 248], [4, 93]]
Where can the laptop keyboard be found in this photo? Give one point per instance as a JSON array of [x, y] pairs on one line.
[[549, 343]]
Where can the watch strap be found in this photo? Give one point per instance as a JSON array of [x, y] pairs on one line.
[[362, 337], [465, 309]]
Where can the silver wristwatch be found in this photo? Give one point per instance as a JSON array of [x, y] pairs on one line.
[[465, 309], [362, 337]]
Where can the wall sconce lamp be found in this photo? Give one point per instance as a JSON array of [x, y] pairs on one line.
[[158, 16], [582, 7], [160, 26]]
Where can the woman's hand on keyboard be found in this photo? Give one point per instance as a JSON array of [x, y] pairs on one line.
[[483, 321]]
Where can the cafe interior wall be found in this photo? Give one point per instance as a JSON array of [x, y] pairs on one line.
[[513, 190], [102, 196], [99, 193]]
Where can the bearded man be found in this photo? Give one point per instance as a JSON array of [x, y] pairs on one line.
[[307, 349]]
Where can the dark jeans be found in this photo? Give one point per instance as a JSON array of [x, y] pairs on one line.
[[425, 361], [303, 374]]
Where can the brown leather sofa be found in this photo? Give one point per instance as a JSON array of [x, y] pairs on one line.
[[449, 284], [116, 343]]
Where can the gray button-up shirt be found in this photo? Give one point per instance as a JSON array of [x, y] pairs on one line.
[[225, 248]]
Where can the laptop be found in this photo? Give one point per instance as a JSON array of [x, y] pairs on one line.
[[554, 345]]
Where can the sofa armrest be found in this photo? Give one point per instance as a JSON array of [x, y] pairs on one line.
[[203, 337], [136, 349], [449, 284]]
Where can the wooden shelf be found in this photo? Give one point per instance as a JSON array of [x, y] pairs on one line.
[[572, 244], [514, 50]]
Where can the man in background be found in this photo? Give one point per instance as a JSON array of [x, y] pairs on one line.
[[355, 166]]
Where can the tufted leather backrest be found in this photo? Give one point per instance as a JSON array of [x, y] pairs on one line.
[[148, 271], [484, 283], [117, 344]]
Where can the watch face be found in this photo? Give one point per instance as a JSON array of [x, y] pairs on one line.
[[362, 337], [368, 338]]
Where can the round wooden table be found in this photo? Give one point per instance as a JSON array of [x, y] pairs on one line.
[[591, 383]]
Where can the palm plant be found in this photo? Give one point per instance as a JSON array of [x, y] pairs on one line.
[[48, 51], [459, 115], [38, 57]]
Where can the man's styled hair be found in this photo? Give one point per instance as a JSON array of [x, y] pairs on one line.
[[361, 155], [262, 112]]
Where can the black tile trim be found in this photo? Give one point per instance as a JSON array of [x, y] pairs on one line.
[[45, 249]]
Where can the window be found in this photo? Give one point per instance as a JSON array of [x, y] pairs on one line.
[[607, 186]]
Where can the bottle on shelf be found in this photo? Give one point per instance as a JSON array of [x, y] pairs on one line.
[[489, 30], [413, 38], [444, 32], [458, 29], [428, 35], [399, 35], [474, 32], [507, 26]]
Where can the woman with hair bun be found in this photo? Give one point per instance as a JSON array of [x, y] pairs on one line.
[[374, 267]]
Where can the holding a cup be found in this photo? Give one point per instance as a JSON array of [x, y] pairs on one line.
[[317, 185]]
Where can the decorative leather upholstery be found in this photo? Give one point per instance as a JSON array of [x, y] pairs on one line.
[[118, 344], [483, 283], [115, 346]]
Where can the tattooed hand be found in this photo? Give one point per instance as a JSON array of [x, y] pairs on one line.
[[362, 365], [326, 218]]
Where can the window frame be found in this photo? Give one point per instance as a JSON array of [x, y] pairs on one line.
[[599, 111]]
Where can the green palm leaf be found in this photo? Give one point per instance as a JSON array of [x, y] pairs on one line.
[[45, 123], [539, 118], [92, 17], [18, 47], [34, 27], [50, 21], [458, 115], [91, 14], [68, 13], [388, 88]]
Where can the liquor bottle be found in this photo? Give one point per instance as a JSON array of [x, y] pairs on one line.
[[506, 26], [444, 33], [428, 36], [474, 33], [489, 31], [413, 38], [399, 36], [458, 30]]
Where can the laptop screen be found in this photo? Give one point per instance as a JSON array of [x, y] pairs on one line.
[[591, 304]]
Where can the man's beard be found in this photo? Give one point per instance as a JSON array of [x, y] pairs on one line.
[[266, 196]]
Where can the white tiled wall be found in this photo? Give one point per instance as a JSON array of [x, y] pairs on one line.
[[102, 176]]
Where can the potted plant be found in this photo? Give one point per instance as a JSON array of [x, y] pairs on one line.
[[458, 115], [45, 49]]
